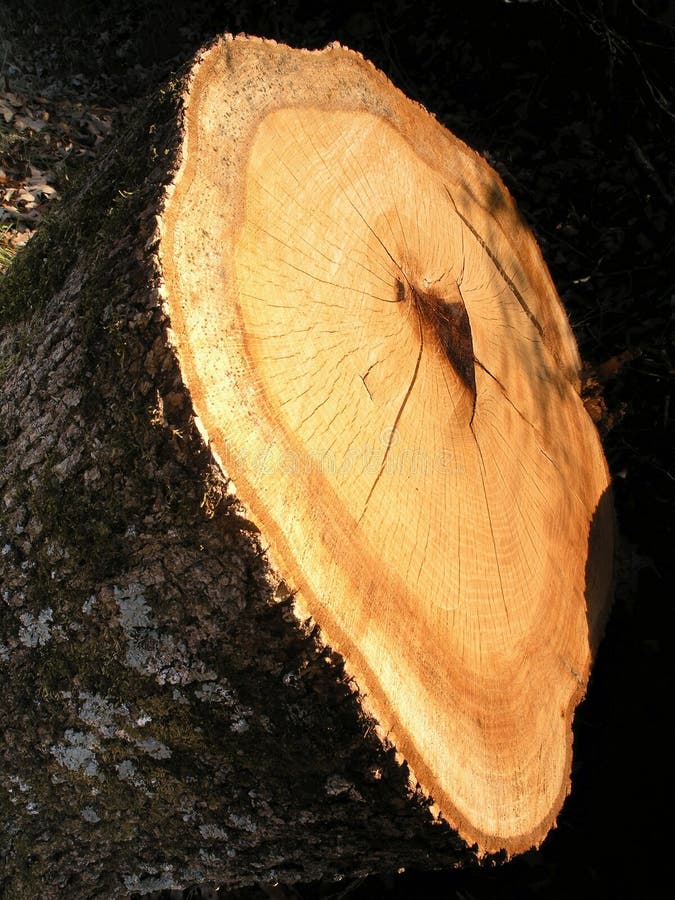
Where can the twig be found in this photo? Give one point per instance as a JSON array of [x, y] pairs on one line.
[[648, 167]]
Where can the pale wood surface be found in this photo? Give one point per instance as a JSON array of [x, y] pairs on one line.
[[382, 365]]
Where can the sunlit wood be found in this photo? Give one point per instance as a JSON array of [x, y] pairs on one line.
[[382, 366]]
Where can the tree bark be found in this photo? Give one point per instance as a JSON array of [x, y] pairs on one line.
[[172, 712]]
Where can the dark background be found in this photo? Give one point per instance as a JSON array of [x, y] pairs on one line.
[[572, 103]]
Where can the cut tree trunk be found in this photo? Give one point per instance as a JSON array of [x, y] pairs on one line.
[[306, 534]]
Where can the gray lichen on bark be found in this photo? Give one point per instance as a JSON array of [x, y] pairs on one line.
[[165, 718]]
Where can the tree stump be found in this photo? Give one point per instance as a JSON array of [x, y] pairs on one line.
[[307, 536]]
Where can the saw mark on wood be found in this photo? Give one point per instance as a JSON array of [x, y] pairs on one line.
[[319, 405], [364, 175], [315, 277], [505, 394], [353, 205], [506, 278], [481, 469], [392, 431], [291, 225], [537, 431]]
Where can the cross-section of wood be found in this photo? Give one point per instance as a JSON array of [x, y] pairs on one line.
[[383, 367]]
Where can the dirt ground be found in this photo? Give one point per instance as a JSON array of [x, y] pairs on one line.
[[572, 102]]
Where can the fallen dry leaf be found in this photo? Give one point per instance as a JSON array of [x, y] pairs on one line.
[[14, 99], [21, 123]]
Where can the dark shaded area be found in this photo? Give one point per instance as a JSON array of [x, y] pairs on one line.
[[449, 323], [572, 103], [602, 533]]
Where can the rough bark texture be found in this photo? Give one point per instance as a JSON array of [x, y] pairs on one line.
[[165, 721]]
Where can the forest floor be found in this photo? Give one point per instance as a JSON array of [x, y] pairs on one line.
[[572, 103]]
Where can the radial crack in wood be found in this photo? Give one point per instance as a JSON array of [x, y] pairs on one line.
[[383, 367]]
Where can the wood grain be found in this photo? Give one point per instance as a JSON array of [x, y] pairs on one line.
[[383, 368]]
